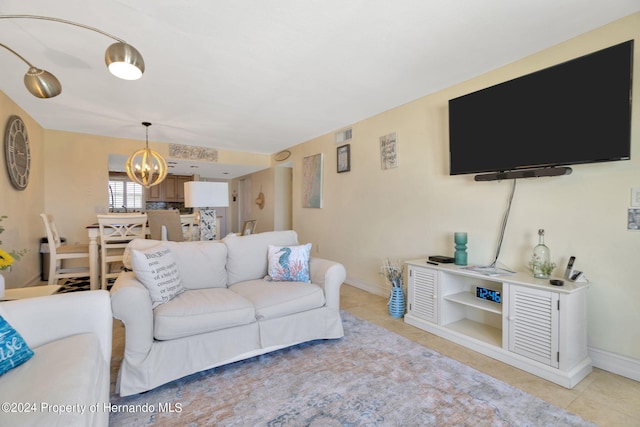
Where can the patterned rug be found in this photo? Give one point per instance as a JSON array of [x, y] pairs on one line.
[[371, 377], [79, 284]]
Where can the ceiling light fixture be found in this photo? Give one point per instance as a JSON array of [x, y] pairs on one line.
[[145, 166], [122, 59]]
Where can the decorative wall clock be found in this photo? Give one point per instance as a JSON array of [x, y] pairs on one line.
[[17, 153]]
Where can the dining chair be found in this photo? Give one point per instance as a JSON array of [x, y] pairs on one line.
[[165, 225], [116, 231], [188, 221], [59, 253]]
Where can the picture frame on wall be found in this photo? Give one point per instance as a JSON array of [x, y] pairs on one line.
[[344, 158], [312, 167], [389, 151], [249, 227]]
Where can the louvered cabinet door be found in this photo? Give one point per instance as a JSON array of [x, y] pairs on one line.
[[423, 293], [533, 324]]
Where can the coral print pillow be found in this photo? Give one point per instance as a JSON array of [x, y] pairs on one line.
[[289, 263], [14, 350]]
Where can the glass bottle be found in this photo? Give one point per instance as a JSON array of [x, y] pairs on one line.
[[541, 256]]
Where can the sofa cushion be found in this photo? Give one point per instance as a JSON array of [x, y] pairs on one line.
[[247, 255], [14, 351], [201, 310], [202, 264], [156, 269], [289, 263], [277, 299], [71, 371]]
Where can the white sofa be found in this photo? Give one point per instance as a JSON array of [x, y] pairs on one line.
[[66, 382], [228, 312]]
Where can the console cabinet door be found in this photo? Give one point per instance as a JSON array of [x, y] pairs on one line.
[[423, 293], [533, 324]]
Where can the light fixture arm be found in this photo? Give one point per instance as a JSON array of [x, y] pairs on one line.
[[122, 60], [63, 21], [17, 54]]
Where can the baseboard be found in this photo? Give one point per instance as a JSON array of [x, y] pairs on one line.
[[615, 363], [369, 287]]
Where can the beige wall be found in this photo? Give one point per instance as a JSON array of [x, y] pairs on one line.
[[282, 215], [260, 181], [275, 183], [23, 227], [370, 214]]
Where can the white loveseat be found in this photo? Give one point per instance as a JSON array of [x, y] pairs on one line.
[[66, 382], [228, 312]]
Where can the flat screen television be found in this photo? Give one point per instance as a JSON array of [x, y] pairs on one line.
[[575, 112]]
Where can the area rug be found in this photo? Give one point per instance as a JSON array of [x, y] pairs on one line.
[[371, 377], [79, 284]]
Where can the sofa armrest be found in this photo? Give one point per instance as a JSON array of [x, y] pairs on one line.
[[131, 303], [49, 318], [330, 275]]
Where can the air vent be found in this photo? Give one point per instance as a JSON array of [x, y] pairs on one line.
[[343, 136]]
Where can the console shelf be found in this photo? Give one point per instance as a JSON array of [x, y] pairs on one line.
[[535, 326], [477, 330], [469, 299]]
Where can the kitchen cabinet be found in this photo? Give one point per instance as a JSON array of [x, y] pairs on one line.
[[169, 190]]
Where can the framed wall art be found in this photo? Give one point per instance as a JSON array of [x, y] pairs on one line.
[[312, 181], [344, 158], [249, 227], [389, 151]]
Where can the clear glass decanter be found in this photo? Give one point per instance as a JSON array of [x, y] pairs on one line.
[[541, 258]]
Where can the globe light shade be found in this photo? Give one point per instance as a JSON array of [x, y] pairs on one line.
[[146, 167], [124, 61], [42, 83]]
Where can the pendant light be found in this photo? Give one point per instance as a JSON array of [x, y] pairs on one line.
[[40, 83], [145, 166], [123, 61]]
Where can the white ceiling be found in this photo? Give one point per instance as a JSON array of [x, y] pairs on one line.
[[264, 75]]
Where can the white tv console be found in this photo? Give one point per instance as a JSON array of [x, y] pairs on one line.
[[536, 327]]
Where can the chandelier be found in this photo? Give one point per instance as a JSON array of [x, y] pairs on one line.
[[145, 166]]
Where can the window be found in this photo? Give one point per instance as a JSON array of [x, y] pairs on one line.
[[124, 194]]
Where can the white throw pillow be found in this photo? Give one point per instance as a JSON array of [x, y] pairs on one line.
[[157, 271]]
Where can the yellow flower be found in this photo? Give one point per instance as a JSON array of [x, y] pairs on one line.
[[5, 260]]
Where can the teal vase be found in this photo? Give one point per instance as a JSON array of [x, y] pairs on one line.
[[396, 302], [460, 256]]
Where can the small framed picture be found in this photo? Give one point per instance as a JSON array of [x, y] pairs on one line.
[[344, 158], [633, 219], [389, 151], [249, 227], [635, 197]]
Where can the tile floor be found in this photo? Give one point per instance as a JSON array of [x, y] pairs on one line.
[[603, 398]]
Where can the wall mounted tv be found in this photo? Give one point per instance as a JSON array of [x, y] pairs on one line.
[[575, 112]]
